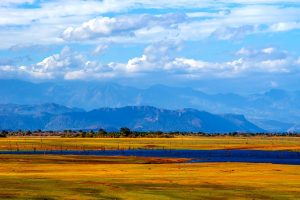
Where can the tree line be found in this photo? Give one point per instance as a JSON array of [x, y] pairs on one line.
[[127, 133]]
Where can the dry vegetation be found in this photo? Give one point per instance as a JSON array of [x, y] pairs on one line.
[[75, 177], [183, 142], [93, 177]]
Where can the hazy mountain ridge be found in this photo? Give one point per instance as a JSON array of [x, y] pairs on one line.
[[274, 105], [49, 108], [142, 118]]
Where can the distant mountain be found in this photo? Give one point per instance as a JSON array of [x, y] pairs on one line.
[[272, 106], [49, 108], [142, 118], [72, 94], [276, 126]]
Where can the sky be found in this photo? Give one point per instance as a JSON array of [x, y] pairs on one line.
[[212, 45]]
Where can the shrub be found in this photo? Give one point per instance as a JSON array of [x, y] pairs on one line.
[[3, 134]]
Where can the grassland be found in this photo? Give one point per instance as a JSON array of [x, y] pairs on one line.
[[93, 177], [75, 177], [209, 143]]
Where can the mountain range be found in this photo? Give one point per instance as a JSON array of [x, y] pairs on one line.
[[274, 110], [139, 118]]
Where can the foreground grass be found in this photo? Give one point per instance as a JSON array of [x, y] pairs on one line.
[[209, 143], [75, 177]]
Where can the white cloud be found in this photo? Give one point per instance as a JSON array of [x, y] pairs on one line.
[[284, 26], [59, 63], [57, 66], [234, 23], [227, 33], [76, 20], [262, 54], [261, 1], [244, 52], [239, 22], [269, 50], [15, 2], [45, 23], [298, 61], [100, 49], [123, 25], [157, 58], [274, 84]]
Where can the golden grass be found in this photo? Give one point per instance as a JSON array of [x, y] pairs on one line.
[[209, 143], [75, 177]]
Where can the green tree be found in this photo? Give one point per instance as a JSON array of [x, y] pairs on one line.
[[125, 132], [102, 133], [3, 133]]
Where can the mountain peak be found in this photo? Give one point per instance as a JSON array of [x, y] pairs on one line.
[[141, 118], [92, 95]]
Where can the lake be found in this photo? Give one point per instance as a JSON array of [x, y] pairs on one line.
[[252, 156]]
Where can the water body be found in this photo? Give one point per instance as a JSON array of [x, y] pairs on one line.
[[197, 156]]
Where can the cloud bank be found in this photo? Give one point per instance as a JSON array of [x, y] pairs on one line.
[[161, 40], [158, 58], [55, 22]]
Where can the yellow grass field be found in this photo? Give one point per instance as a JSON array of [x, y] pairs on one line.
[[75, 177], [49, 177], [208, 143]]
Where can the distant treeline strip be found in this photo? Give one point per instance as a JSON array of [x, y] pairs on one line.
[[127, 133]]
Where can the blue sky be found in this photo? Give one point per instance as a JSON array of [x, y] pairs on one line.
[[224, 45]]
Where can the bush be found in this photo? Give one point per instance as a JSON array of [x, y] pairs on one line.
[[3, 134], [125, 132]]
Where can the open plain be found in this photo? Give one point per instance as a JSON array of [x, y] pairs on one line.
[[115, 177], [77, 177], [181, 142]]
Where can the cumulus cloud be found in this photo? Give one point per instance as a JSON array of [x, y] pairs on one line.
[[73, 20], [158, 58], [233, 23], [262, 54], [123, 25], [64, 65], [91, 26], [65, 60], [71, 65], [248, 61]]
